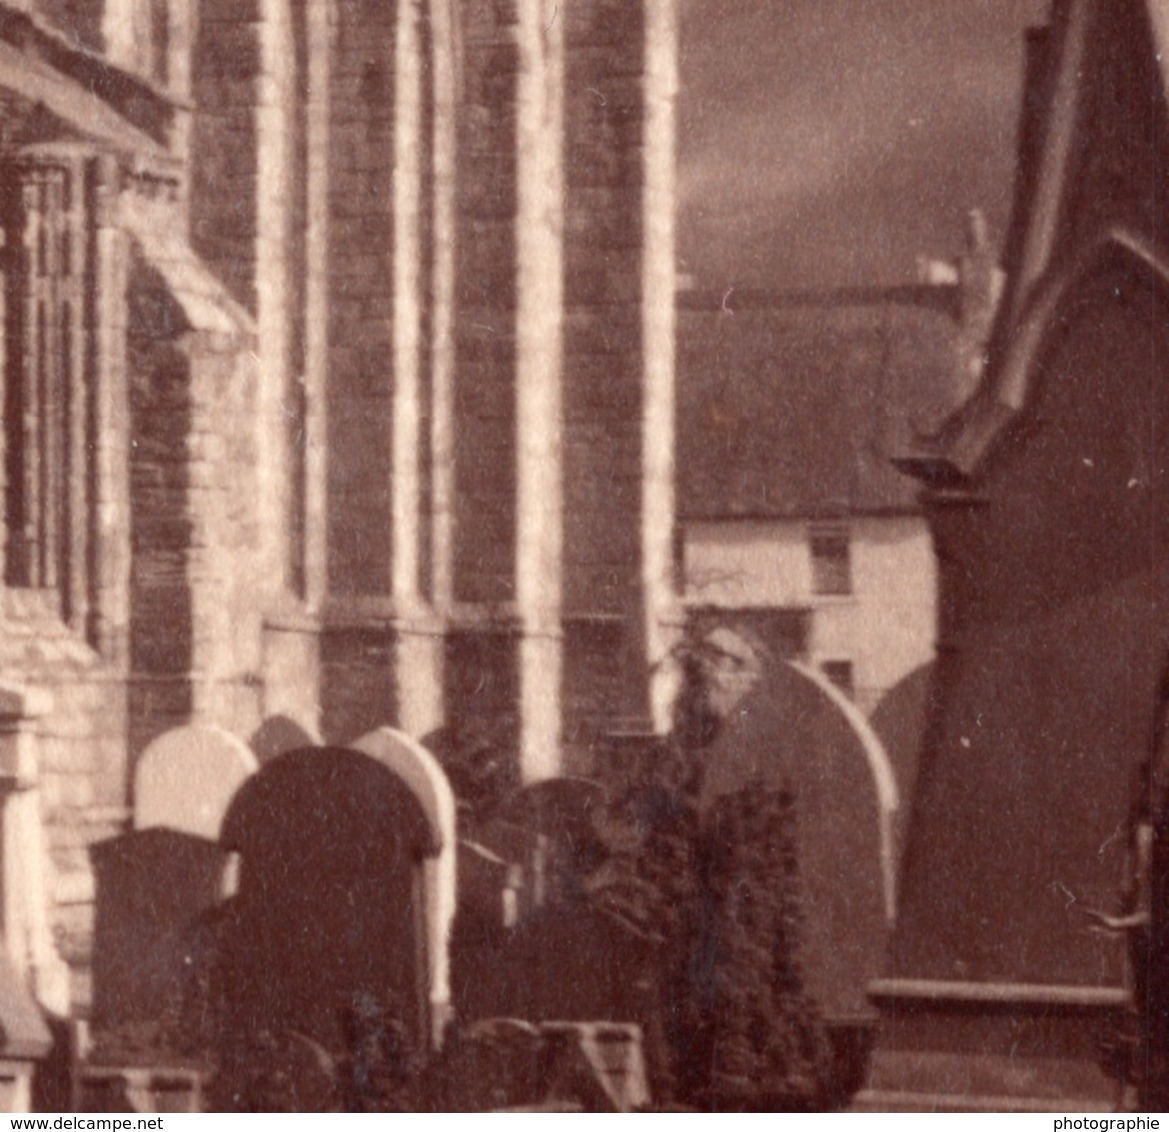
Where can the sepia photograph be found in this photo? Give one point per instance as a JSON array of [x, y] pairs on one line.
[[574, 556]]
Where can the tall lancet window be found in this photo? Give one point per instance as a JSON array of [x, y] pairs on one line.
[[46, 255]]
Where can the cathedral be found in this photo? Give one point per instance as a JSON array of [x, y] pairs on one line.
[[337, 370]]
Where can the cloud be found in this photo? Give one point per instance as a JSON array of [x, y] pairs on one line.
[[828, 136]]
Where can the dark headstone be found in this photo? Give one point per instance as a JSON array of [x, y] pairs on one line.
[[560, 816], [154, 886], [567, 961], [328, 922], [277, 735], [528, 942]]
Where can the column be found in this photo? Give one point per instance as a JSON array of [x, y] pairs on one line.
[[274, 168], [27, 934], [419, 641], [660, 604], [539, 314], [442, 349], [320, 45]]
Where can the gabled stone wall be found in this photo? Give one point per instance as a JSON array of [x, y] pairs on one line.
[[224, 145], [198, 574], [361, 298]]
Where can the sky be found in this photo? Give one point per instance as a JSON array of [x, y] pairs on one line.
[[830, 142]]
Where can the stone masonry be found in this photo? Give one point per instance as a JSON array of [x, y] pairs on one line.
[[378, 374]]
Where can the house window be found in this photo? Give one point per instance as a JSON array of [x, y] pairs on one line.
[[831, 560], [46, 253], [840, 673]]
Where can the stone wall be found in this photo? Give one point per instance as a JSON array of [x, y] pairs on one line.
[[161, 628], [360, 278], [229, 575], [603, 365], [603, 348], [81, 751], [358, 679], [198, 586], [223, 169], [585, 503], [485, 397], [358, 670], [503, 561]]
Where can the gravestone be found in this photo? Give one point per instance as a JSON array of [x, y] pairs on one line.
[[421, 772], [528, 942], [559, 816], [532, 944], [279, 734], [792, 730], [154, 888], [795, 792], [494, 895], [329, 920], [566, 961], [899, 720], [157, 888], [186, 778]]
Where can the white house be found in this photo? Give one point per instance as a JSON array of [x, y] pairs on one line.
[[867, 583]]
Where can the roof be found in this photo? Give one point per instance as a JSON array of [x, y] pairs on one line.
[[72, 103], [204, 302], [51, 57], [792, 405]]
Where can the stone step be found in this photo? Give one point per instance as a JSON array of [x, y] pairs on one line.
[[972, 1073], [994, 1048], [888, 1100], [922, 1081]]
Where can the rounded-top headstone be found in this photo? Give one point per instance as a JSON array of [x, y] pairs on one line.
[[427, 781], [321, 797], [186, 779], [793, 731], [328, 915], [900, 720], [279, 734], [421, 772], [564, 809]]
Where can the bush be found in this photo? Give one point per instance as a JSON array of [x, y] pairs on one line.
[[715, 887]]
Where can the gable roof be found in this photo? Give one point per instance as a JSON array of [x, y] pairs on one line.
[[81, 90], [792, 405]]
